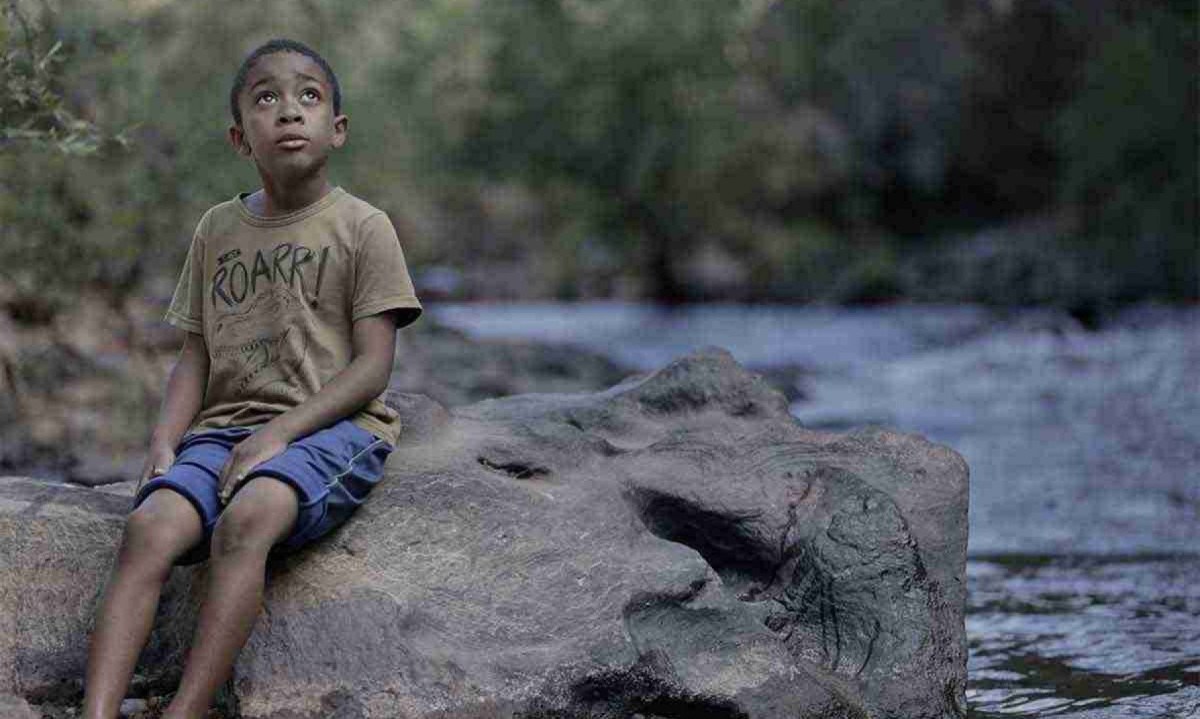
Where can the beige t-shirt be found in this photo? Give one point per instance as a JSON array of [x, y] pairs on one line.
[[276, 298]]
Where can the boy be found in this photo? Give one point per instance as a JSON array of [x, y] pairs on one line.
[[291, 297]]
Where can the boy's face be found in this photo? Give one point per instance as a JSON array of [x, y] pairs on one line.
[[288, 126]]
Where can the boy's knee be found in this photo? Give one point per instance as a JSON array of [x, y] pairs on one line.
[[261, 514], [162, 527], [237, 534]]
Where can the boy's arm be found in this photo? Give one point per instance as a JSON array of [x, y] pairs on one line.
[[365, 378], [182, 400]]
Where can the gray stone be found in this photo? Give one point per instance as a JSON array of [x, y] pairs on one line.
[[454, 369], [675, 546], [14, 707], [57, 547]]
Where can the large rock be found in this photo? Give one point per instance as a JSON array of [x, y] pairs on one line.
[[675, 546], [57, 546]]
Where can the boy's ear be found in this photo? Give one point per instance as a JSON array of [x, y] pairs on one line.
[[340, 124], [237, 138]]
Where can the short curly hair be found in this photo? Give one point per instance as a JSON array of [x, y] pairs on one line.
[[270, 48]]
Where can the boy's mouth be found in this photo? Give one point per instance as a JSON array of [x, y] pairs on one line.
[[292, 142]]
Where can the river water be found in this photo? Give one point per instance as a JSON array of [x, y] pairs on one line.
[[1084, 555]]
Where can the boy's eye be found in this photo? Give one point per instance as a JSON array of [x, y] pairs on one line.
[[269, 97]]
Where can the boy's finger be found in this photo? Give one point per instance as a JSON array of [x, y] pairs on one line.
[[230, 476], [231, 484], [223, 475]]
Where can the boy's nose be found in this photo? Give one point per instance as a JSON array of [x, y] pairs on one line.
[[290, 112]]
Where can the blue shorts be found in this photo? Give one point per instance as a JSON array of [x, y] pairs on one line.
[[332, 470]]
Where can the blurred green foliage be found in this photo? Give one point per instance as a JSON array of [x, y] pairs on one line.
[[1129, 134], [791, 150], [32, 111], [629, 104], [50, 197]]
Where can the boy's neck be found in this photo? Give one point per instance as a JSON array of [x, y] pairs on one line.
[[274, 199]]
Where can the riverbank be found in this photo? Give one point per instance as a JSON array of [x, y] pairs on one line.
[[79, 396]]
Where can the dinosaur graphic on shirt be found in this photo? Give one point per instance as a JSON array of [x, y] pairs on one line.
[[262, 358]]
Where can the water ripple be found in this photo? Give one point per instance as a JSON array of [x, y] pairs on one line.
[[1084, 637]]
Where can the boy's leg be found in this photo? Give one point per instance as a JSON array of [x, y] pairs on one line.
[[161, 529], [261, 513]]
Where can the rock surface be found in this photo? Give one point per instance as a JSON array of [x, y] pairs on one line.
[[12, 707], [676, 546], [454, 369]]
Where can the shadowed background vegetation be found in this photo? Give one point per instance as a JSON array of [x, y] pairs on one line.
[[1011, 152]]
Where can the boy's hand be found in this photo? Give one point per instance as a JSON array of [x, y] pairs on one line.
[[248, 454], [158, 460]]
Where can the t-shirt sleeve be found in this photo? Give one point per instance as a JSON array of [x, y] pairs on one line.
[[187, 304], [381, 281]]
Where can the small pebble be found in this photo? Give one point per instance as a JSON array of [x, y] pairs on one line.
[[130, 707]]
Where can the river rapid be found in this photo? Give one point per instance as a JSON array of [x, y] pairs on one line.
[[1084, 447]]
